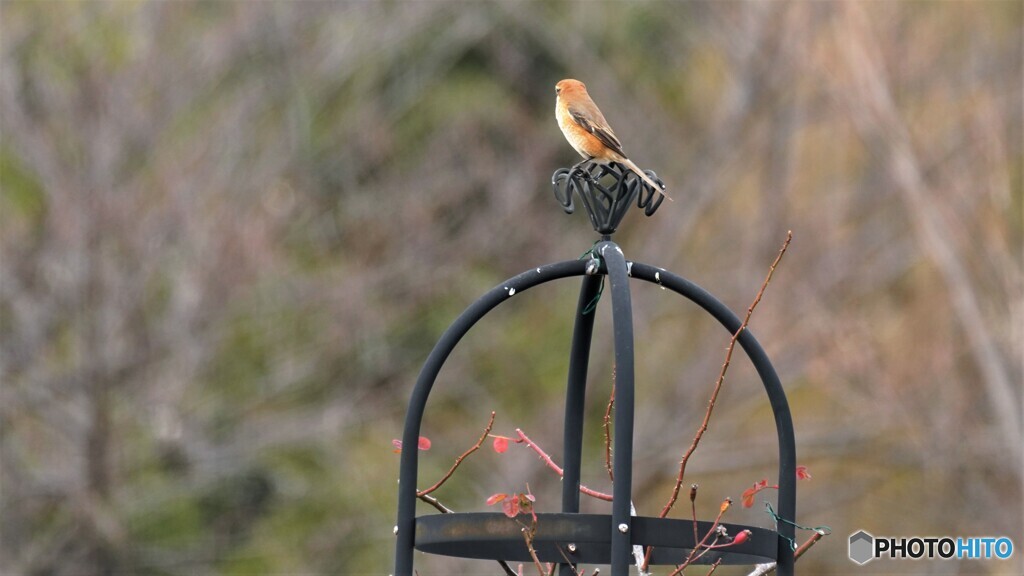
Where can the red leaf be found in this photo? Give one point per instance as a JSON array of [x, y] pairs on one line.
[[495, 498], [424, 444], [500, 444], [510, 507], [802, 473], [748, 496]]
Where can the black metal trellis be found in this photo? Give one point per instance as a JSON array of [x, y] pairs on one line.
[[569, 535]]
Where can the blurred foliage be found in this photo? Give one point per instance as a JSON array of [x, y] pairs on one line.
[[231, 232]]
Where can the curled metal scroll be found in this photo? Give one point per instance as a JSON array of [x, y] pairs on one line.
[[606, 191]]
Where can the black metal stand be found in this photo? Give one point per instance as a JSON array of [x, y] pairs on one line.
[[592, 538]]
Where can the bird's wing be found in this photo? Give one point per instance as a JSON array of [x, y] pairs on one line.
[[596, 125]]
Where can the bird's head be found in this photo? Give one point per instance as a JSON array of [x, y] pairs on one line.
[[569, 86]]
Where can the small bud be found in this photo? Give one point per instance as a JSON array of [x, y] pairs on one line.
[[725, 504], [802, 473], [693, 492]]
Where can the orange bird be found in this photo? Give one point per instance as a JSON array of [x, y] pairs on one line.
[[586, 129]]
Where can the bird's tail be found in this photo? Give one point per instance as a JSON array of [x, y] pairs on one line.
[[636, 170]]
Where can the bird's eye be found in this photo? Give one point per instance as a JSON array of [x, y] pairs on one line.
[[558, 90]]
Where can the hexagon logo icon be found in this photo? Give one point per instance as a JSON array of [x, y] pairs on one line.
[[862, 547]]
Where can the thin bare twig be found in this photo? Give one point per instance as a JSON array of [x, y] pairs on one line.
[[558, 469], [769, 568], [528, 534], [435, 503], [608, 432], [474, 448], [718, 386], [807, 544], [714, 567], [721, 378], [697, 552], [572, 565], [696, 529], [693, 510], [424, 495]]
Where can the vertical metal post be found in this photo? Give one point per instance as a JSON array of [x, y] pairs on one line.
[[622, 328], [579, 358]]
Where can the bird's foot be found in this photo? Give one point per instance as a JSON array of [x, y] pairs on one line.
[[578, 169]]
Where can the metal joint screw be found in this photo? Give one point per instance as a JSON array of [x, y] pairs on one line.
[[395, 530], [623, 528], [571, 548]]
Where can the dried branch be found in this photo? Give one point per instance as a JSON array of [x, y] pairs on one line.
[[714, 394], [702, 547], [435, 503], [721, 378], [769, 568], [424, 495], [714, 566], [693, 512], [558, 469], [474, 448], [807, 544], [528, 534], [608, 433]]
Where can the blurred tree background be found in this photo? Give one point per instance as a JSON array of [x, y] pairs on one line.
[[231, 233]]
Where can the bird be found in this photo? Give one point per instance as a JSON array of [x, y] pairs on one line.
[[588, 132]]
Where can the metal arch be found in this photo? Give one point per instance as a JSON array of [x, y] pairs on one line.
[[408, 471], [772, 385], [615, 266]]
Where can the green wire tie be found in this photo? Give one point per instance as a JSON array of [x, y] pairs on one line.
[[589, 251], [593, 302], [823, 530], [597, 297]]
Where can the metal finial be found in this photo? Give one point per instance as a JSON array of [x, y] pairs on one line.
[[606, 191]]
